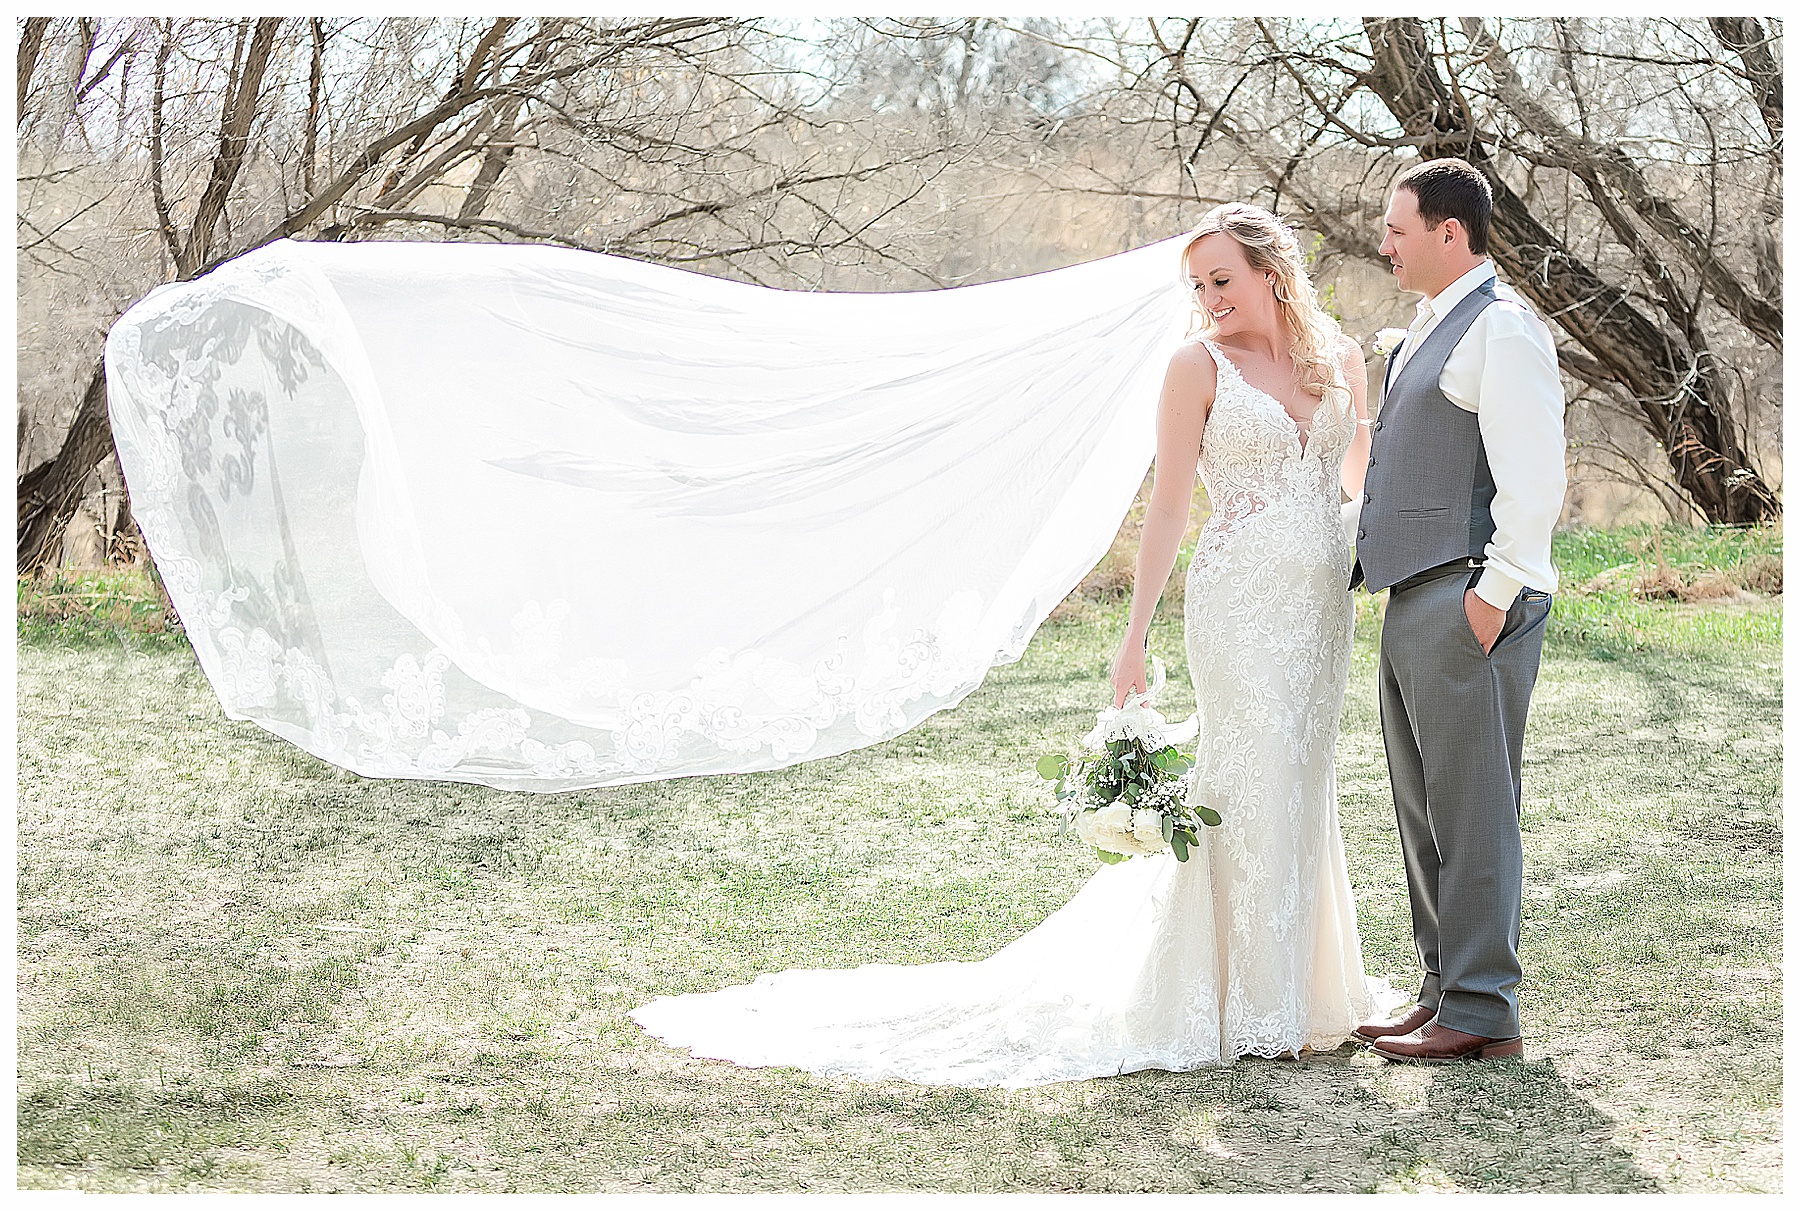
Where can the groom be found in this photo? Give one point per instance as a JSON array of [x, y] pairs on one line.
[[1465, 483]]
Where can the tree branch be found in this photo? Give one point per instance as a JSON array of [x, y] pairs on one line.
[[1588, 159], [165, 221], [124, 48], [314, 83]]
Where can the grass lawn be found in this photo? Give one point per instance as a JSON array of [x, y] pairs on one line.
[[240, 968]]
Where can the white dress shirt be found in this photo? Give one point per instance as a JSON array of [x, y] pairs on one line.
[[1504, 371]]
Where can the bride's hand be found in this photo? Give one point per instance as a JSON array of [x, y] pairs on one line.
[[1128, 671]]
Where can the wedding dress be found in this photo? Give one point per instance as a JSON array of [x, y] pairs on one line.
[[1248, 948]]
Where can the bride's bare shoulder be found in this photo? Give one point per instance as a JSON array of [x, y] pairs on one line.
[[1193, 362], [1190, 384]]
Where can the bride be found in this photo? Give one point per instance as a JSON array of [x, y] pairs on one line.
[[1250, 947]]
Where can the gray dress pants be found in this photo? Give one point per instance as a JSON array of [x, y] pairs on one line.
[[1453, 720]]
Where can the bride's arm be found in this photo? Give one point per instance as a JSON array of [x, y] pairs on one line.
[[1356, 459], [1187, 396]]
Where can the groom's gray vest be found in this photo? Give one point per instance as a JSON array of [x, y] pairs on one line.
[[1429, 494]]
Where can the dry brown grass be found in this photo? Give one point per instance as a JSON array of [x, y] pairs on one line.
[[1760, 577]]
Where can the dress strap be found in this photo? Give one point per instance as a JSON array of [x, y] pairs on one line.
[[1219, 359]]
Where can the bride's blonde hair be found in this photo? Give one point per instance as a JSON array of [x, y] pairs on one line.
[[1270, 247]]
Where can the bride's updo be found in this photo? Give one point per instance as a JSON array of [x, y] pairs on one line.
[[1270, 247]]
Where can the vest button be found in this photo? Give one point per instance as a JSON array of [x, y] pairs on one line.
[[1378, 426], [1362, 534]]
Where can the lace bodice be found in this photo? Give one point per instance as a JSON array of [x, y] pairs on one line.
[[1254, 453]]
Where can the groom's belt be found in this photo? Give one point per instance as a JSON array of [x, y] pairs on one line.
[[1429, 574]]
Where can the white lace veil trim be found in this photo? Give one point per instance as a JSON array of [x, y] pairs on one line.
[[545, 520]]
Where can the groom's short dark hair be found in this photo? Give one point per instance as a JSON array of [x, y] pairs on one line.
[[1452, 188]]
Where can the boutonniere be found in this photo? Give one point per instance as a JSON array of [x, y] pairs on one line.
[[1388, 340]]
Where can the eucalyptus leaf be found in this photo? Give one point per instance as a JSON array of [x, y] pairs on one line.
[[1168, 829], [1052, 765], [1179, 844], [1210, 818], [1110, 858]]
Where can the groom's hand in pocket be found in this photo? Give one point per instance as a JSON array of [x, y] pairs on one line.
[[1484, 619]]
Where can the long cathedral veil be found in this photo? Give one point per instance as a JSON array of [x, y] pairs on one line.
[[544, 519]]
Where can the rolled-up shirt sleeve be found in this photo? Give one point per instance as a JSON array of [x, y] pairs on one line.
[[1520, 412]]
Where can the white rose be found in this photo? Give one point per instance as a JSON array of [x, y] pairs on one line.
[[1388, 340], [1146, 847], [1146, 825], [1114, 818], [1084, 828]]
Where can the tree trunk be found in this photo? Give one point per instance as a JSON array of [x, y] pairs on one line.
[[234, 140], [126, 542], [50, 493], [31, 42], [1762, 69]]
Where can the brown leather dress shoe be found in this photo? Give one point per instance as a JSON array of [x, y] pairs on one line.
[[1416, 1017], [1434, 1043]]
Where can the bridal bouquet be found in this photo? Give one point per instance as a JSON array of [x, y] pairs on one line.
[[1123, 795]]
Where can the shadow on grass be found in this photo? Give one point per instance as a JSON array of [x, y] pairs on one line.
[[1341, 1122], [1348, 1121], [1513, 1126], [1338, 1123], [127, 1131]]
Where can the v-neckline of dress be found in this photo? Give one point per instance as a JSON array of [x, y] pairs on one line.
[[1302, 437]]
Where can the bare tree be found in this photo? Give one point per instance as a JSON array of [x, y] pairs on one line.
[[683, 140], [1636, 165], [1636, 175]]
